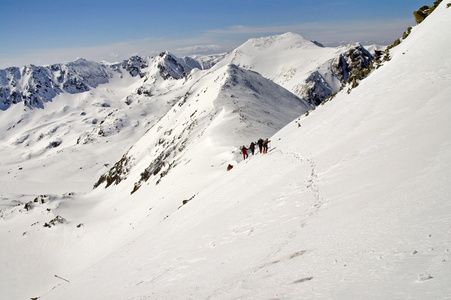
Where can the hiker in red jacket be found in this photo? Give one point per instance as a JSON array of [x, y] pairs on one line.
[[244, 151]]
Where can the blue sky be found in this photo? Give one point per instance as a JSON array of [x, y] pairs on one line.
[[52, 31]]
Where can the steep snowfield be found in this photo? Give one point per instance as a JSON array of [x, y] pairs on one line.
[[354, 203]]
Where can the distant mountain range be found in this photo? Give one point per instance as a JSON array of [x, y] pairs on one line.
[[305, 68]]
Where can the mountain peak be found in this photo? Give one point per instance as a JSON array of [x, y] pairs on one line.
[[281, 42]]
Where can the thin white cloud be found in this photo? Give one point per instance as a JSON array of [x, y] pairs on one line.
[[220, 40], [199, 50], [329, 33]]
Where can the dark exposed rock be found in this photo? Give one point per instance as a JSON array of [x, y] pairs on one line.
[[134, 66], [57, 220], [348, 64], [116, 174]]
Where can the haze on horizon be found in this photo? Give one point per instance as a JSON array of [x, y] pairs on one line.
[[46, 32]]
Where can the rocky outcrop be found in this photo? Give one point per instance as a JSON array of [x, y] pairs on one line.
[[335, 73]]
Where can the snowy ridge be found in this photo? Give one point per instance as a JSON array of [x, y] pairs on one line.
[[351, 201], [252, 105], [311, 71]]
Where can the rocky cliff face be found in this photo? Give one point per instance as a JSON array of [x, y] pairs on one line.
[[33, 85], [134, 66], [351, 61], [334, 74]]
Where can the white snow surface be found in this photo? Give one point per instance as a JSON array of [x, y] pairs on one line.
[[351, 201]]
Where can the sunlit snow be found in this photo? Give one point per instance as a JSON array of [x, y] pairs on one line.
[[352, 201]]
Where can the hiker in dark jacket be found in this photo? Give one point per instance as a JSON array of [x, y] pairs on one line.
[[260, 145], [252, 148]]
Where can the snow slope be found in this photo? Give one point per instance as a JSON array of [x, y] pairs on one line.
[[222, 110], [351, 204], [233, 102]]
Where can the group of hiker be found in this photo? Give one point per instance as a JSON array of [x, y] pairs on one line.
[[262, 146]]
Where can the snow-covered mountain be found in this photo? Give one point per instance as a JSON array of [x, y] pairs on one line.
[[248, 106], [352, 200], [308, 69], [138, 129], [34, 85], [116, 102]]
